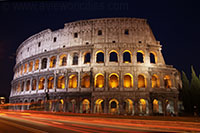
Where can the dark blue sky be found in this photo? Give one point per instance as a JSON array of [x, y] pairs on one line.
[[176, 24]]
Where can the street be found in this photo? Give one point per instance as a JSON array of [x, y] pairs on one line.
[[43, 122]]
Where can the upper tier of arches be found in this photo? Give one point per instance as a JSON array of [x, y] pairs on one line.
[[89, 32]]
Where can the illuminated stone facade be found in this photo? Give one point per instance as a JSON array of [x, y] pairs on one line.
[[111, 65]]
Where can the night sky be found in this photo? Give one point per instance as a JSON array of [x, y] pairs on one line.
[[176, 24]]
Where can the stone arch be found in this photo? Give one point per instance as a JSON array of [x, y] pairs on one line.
[[155, 82], [100, 56], [30, 66], [99, 80], [72, 81], [36, 67], [28, 84], [167, 81], [85, 106], [25, 68], [41, 83], [142, 81], [75, 59], [114, 106], [128, 80], [153, 57], [63, 60], [34, 84], [143, 106], [170, 107], [140, 56], [85, 81], [127, 56], [99, 106], [129, 107], [113, 56], [22, 86], [113, 80], [72, 106], [51, 82], [87, 57], [44, 63], [157, 106], [52, 63], [18, 87], [61, 82]]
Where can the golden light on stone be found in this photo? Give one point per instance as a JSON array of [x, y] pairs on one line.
[[73, 81], [99, 80], [113, 80]]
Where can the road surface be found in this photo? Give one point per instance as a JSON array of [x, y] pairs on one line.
[[36, 122]]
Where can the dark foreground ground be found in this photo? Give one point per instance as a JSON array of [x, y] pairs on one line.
[[43, 122]]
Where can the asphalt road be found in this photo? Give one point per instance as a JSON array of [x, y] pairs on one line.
[[36, 122]]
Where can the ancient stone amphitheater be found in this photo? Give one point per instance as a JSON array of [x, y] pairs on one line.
[[108, 65]]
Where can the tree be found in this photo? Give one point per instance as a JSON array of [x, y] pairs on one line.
[[185, 94], [195, 89]]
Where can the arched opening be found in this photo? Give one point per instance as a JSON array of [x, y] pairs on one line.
[[72, 106], [50, 82], [157, 106], [30, 66], [85, 82], [52, 62], [99, 57], [75, 59], [61, 82], [61, 105], [142, 106], [22, 87], [153, 58], [140, 56], [128, 107], [18, 87], [44, 63], [113, 56], [167, 81], [41, 83], [141, 81], [113, 106], [63, 60], [28, 85], [127, 56], [25, 68], [99, 106], [155, 81], [113, 80], [21, 72], [170, 107], [34, 84], [99, 81], [86, 58], [85, 106], [37, 65], [72, 81], [128, 80]]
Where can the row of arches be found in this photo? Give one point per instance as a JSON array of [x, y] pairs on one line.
[[113, 106], [99, 82], [99, 55]]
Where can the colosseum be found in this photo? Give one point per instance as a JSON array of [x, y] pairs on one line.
[[107, 65]]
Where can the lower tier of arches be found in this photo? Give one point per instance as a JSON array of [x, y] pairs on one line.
[[141, 103]]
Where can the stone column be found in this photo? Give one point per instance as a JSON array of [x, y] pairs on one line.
[[92, 105], [40, 64], [106, 106], [37, 84], [136, 107], [106, 80], [134, 57], [31, 82], [147, 58], [48, 62], [121, 81], [78, 80], [45, 84]]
